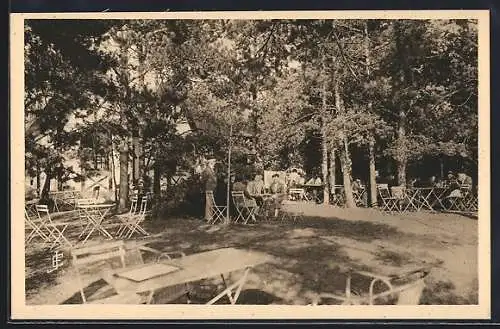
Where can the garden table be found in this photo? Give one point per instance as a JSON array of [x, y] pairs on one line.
[[95, 214], [424, 198], [436, 197], [64, 197], [191, 268], [414, 197]]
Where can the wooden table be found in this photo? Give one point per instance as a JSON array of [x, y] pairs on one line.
[[193, 268]]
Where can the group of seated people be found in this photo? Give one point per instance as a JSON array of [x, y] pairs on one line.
[[452, 181], [254, 191]]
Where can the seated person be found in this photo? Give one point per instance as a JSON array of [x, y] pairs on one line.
[[411, 182], [278, 190], [293, 179], [356, 185], [464, 179], [255, 189], [241, 186], [453, 189]]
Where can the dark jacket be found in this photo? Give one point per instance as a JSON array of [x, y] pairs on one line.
[[209, 179]]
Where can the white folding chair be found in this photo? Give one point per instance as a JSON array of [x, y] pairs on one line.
[[406, 289], [94, 258], [84, 212], [134, 222], [399, 193], [297, 194], [125, 218], [455, 200], [56, 230], [244, 209], [218, 212], [33, 228], [388, 202]]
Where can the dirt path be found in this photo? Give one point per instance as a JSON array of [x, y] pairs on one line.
[[309, 254]]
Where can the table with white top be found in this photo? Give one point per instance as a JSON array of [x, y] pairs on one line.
[[187, 269]]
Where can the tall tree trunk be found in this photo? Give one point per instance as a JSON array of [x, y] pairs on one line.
[[38, 187], [324, 166], [227, 220], [124, 159], [345, 157], [441, 169], [59, 182], [372, 182], [137, 170], [157, 176], [345, 162], [332, 170], [83, 174], [324, 137], [405, 80], [401, 159], [46, 187], [113, 168], [373, 179]]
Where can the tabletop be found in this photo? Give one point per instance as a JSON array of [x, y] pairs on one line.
[[191, 268], [94, 206]]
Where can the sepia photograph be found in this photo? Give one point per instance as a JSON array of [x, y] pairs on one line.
[[322, 162]]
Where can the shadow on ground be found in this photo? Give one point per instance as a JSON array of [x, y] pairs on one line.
[[303, 263]]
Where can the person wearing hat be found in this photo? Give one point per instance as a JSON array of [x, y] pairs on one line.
[[209, 181]]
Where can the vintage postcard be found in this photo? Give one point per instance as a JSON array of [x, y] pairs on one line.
[[250, 165]]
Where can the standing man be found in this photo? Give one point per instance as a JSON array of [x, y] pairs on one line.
[[279, 193], [209, 180]]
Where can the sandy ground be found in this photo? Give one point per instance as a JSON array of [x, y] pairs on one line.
[[310, 254]]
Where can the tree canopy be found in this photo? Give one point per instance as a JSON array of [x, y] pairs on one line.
[[296, 92]]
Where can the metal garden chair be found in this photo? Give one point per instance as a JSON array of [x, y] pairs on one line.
[[403, 289], [244, 209], [218, 212], [388, 202]]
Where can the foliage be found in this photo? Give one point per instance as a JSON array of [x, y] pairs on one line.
[[283, 87]]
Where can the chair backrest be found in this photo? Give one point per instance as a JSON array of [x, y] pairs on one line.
[[238, 197], [42, 211], [300, 191], [398, 192], [465, 188], [383, 190], [94, 257], [133, 205], [143, 207]]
